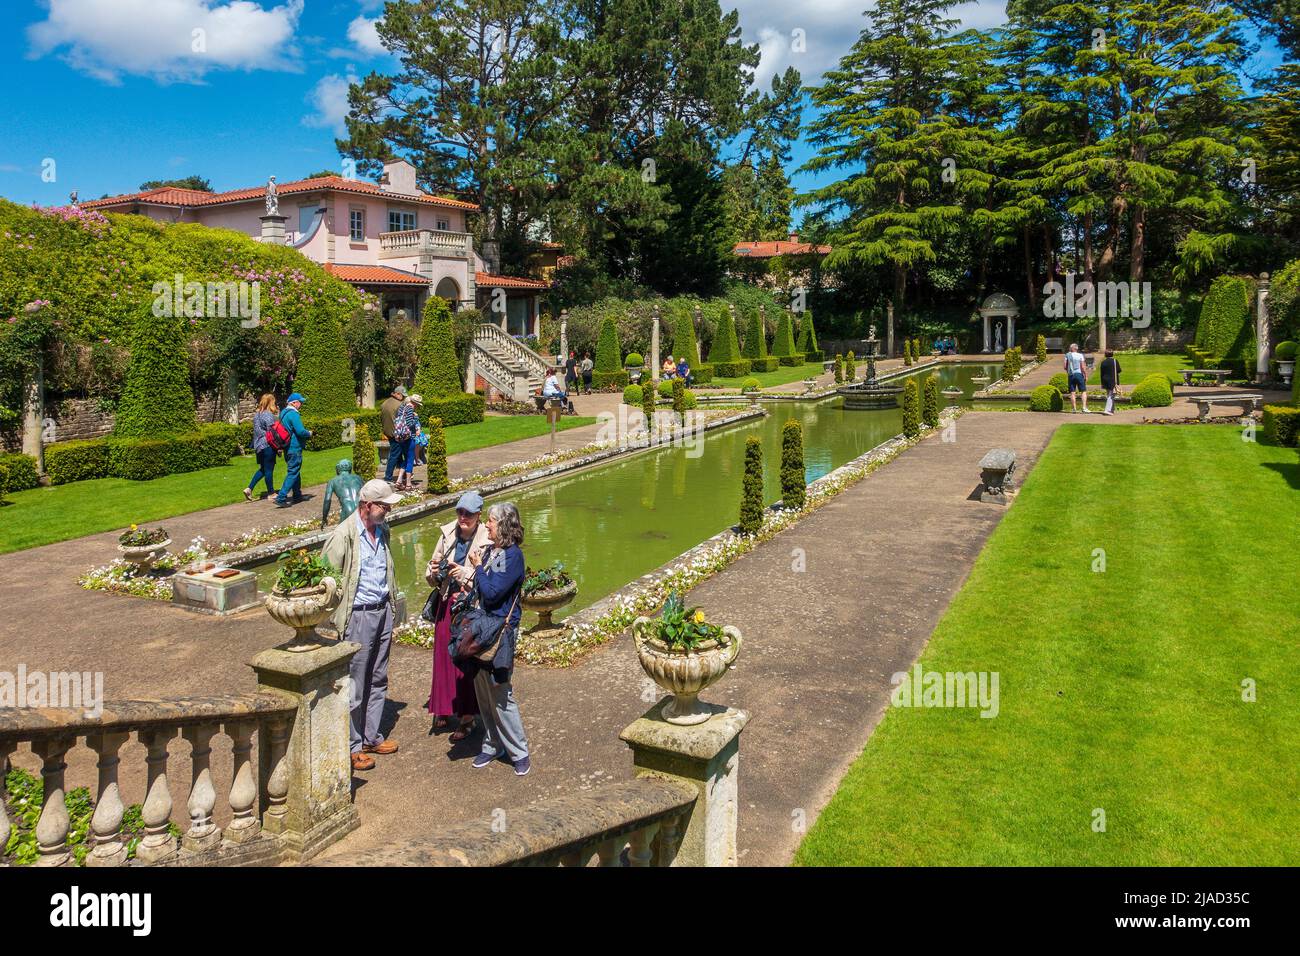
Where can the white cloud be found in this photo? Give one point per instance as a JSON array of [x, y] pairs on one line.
[[365, 37], [329, 99], [169, 40], [829, 27]]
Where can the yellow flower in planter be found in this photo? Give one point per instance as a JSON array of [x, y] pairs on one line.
[[132, 527], [699, 617]]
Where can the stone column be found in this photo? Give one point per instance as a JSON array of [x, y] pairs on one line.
[[273, 229], [33, 418], [988, 342], [317, 809], [1262, 344], [368, 385], [230, 398], [889, 329], [654, 346], [706, 756], [470, 373], [564, 335], [1011, 331]]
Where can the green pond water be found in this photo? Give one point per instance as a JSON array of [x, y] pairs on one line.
[[613, 523]]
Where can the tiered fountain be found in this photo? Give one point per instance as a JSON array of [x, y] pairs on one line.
[[869, 393]]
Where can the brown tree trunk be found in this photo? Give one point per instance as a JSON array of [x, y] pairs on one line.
[[1029, 273], [1087, 247], [1137, 252]]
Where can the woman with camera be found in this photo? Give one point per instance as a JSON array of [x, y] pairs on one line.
[[449, 572]]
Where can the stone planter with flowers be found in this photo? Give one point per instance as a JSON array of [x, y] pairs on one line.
[[143, 547], [305, 593], [684, 653], [545, 592]]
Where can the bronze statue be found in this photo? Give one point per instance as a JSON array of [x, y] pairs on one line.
[[347, 487]]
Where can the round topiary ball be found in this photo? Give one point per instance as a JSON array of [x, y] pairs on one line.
[[688, 400], [1285, 351], [632, 395], [1060, 382], [750, 385], [633, 360], [1045, 398], [666, 388], [1152, 392]]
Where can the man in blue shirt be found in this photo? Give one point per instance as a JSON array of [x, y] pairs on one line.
[[291, 419]]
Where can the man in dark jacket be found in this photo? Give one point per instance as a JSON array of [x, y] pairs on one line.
[[1109, 371], [291, 419], [387, 422]]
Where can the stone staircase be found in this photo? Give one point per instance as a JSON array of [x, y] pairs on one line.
[[505, 363]]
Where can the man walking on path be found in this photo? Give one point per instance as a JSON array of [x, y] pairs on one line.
[[571, 373], [291, 419], [1076, 374], [387, 423], [1109, 371], [358, 548]]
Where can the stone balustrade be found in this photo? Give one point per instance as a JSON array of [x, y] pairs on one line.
[[285, 808], [438, 242]]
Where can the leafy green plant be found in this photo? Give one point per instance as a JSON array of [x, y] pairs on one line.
[[1060, 382], [437, 481], [634, 360], [438, 372], [907, 352], [750, 385], [302, 569], [1040, 348], [138, 537], [1286, 351], [684, 627], [930, 402], [911, 409], [1152, 392], [608, 371], [839, 369], [632, 395], [553, 578], [751, 488], [679, 397], [1046, 398], [794, 485], [324, 372]]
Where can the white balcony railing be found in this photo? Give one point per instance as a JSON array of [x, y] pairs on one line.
[[437, 242]]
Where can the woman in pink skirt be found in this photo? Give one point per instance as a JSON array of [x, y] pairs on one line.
[[450, 572]]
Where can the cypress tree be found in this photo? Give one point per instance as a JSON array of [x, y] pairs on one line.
[[679, 398], [365, 461], [839, 369], [756, 338], [911, 409], [324, 373], [156, 398], [849, 370], [438, 373], [436, 453], [751, 488], [648, 403], [608, 371], [783, 341], [808, 339], [1040, 348], [725, 353], [684, 344], [907, 351], [930, 406], [794, 487]]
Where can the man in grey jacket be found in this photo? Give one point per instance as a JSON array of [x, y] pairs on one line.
[[359, 550]]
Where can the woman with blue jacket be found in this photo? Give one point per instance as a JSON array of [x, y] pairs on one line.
[[499, 573]]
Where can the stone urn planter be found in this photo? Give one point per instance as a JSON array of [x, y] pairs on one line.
[[1286, 370], [544, 603], [144, 556], [302, 609], [684, 672]]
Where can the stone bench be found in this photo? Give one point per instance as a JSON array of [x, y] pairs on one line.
[[996, 470], [1054, 345], [1218, 374], [1247, 403]]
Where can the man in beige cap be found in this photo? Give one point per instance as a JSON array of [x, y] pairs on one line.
[[358, 550]]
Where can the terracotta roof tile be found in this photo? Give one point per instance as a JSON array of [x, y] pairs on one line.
[[375, 275], [508, 282], [170, 196], [781, 247]]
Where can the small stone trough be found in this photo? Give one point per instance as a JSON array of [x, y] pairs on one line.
[[214, 590], [997, 469]]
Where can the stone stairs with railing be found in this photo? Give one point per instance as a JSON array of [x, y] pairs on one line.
[[505, 363]]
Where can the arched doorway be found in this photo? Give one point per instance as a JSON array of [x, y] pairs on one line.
[[449, 290]]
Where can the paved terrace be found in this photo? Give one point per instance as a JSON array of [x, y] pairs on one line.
[[815, 676]]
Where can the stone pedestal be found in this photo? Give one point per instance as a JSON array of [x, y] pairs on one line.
[[368, 386], [707, 757], [273, 229], [889, 329], [1263, 347], [202, 591], [33, 423], [654, 348], [316, 776]]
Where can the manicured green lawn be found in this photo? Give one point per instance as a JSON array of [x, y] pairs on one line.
[[44, 515], [1121, 690], [1137, 366], [782, 376]]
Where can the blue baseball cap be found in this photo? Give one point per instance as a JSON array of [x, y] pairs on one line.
[[295, 397], [470, 501]]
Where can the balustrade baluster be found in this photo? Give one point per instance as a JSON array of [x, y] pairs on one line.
[[640, 850], [610, 852], [6, 748], [106, 823], [157, 843], [243, 788], [578, 857], [277, 782], [203, 834], [52, 827], [667, 840]]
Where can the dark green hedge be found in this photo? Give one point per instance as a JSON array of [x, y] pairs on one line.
[[459, 409], [69, 461], [1046, 398], [767, 363], [1226, 330], [324, 373], [156, 399], [703, 373], [1282, 424], [791, 360], [328, 432], [618, 379], [21, 472], [737, 369]]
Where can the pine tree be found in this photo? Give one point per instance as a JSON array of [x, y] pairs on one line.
[[324, 373], [156, 397], [365, 460], [438, 372], [794, 486], [436, 482], [751, 488], [911, 409], [930, 406]]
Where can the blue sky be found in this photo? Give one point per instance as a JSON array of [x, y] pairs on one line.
[[105, 94]]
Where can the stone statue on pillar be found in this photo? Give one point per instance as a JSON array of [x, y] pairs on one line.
[[564, 335], [272, 198], [997, 340]]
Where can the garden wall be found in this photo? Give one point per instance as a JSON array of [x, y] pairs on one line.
[[77, 419]]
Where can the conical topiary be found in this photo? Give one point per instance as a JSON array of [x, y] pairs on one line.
[[436, 482], [751, 488], [911, 409], [783, 342], [365, 461], [679, 398], [907, 351], [684, 344], [1040, 349], [930, 405], [755, 337], [794, 485], [839, 369], [725, 354], [850, 368], [438, 372], [608, 371], [324, 373], [157, 398], [648, 403], [808, 339]]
